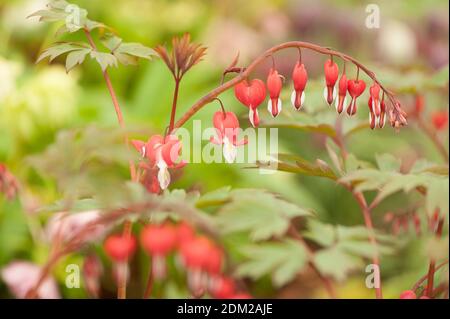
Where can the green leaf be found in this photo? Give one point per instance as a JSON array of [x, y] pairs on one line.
[[58, 4], [137, 50], [76, 57], [281, 260], [323, 234], [214, 198], [104, 59], [49, 15], [92, 25], [60, 48], [437, 196], [298, 125], [336, 263], [388, 163], [332, 150], [296, 164], [258, 212], [111, 41]]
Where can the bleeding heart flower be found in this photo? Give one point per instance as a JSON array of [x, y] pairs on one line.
[[382, 117], [419, 103], [274, 85], [300, 77], [158, 241], [375, 98], [408, 294], [120, 248], [241, 295], [372, 117], [355, 89], [8, 183], [251, 95], [224, 288], [227, 127], [92, 272], [439, 119], [195, 255], [161, 153], [185, 233], [342, 99], [331, 75], [22, 276]]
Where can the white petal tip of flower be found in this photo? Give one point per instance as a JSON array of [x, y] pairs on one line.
[[229, 151], [302, 99], [163, 175]]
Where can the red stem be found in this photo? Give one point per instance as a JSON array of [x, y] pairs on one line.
[[366, 210], [328, 284], [433, 137], [369, 225], [174, 104], [122, 285], [149, 285], [260, 59], [432, 266]]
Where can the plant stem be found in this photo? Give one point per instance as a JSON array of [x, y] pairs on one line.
[[328, 284], [260, 59], [122, 285], [149, 285], [174, 104], [422, 279], [432, 266], [366, 211], [433, 137], [369, 225]]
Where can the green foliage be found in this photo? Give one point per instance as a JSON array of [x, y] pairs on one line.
[[281, 260], [297, 164], [75, 19], [260, 214], [344, 248], [387, 180], [82, 162]]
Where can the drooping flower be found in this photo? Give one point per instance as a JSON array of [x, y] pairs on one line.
[[408, 294], [374, 119], [251, 95], [92, 272], [161, 154], [22, 276], [439, 119], [227, 128], [120, 247], [355, 89], [158, 241], [185, 232], [300, 77], [342, 95], [195, 255], [274, 85], [331, 75], [224, 288], [8, 183], [375, 96], [419, 104]]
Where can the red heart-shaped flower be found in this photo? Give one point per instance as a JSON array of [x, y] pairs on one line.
[[250, 94], [120, 248], [356, 87]]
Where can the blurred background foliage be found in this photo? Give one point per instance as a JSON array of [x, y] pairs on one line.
[[409, 53]]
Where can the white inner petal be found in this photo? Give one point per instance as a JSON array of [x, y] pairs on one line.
[[293, 99], [229, 150], [163, 174]]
